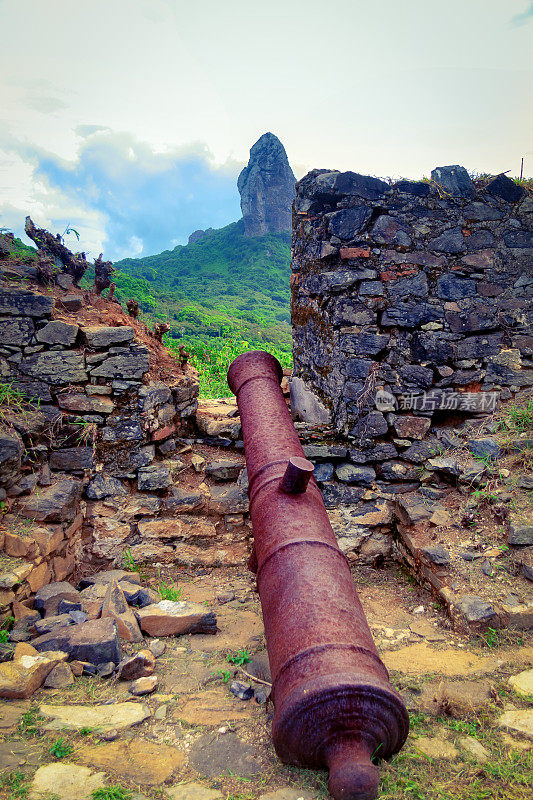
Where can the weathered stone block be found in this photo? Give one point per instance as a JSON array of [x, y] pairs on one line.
[[57, 332], [16, 331], [23, 303], [72, 459], [55, 367], [104, 336]]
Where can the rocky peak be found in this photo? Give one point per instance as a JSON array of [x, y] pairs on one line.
[[266, 187]]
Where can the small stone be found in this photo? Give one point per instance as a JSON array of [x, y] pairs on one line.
[[95, 641], [484, 448], [152, 478], [145, 685], [437, 555], [486, 568], [440, 518], [24, 649], [197, 463], [60, 677], [225, 597], [520, 530], [48, 598], [523, 683], [351, 473], [454, 180], [140, 665], [409, 427], [108, 736], [223, 470], [106, 670], [103, 486], [475, 609], [241, 690], [157, 647]]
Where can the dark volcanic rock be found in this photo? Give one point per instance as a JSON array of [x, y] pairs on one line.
[[56, 503], [506, 189], [104, 486], [455, 180], [95, 641], [266, 187], [22, 302], [10, 455]]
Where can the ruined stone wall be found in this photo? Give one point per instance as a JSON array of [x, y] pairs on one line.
[[410, 288], [92, 426]]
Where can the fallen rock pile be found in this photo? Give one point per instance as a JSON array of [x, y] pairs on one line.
[[78, 631]]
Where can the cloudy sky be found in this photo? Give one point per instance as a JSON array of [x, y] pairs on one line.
[[130, 119]]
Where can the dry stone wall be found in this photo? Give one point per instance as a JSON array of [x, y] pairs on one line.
[[92, 426], [415, 289]]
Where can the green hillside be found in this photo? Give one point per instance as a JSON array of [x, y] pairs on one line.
[[221, 295]]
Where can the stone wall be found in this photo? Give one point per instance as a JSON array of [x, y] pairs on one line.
[[408, 288], [92, 425]]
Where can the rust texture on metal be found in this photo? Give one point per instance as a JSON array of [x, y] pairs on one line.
[[334, 705]]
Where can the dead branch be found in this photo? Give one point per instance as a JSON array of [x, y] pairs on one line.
[[51, 245], [132, 307], [102, 274], [160, 328]]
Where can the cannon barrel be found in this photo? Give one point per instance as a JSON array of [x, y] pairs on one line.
[[333, 704]]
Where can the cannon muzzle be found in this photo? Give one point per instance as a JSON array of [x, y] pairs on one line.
[[333, 704]]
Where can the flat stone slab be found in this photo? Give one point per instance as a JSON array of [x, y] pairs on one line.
[[10, 714], [436, 747], [420, 658], [143, 762], [192, 791], [118, 716], [213, 708], [12, 754], [214, 755], [518, 722], [523, 682], [66, 781]]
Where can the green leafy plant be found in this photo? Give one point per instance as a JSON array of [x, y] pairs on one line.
[[239, 658], [225, 674], [169, 591], [60, 748]]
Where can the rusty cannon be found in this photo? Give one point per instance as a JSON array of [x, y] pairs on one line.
[[333, 704]]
